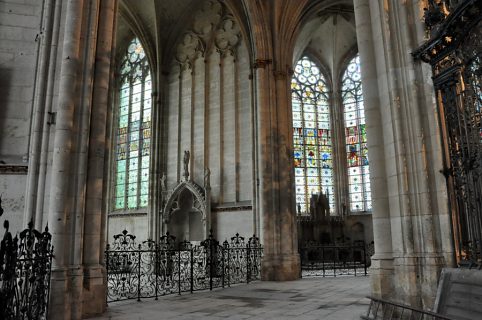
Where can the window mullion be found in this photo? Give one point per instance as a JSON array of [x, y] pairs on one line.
[[128, 138], [317, 143], [305, 166], [139, 149]]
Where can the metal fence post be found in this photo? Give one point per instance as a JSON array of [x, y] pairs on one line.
[[156, 267], [179, 270], [248, 262], [192, 269], [226, 247], [139, 276], [353, 259], [323, 260], [222, 265], [106, 270], [365, 259]]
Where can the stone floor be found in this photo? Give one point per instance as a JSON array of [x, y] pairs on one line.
[[341, 298]]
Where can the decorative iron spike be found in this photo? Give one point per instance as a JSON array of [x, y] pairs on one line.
[[433, 14]]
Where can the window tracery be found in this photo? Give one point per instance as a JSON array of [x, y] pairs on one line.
[[312, 134], [313, 137], [359, 191], [133, 130]]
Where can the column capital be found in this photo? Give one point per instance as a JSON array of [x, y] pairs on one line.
[[283, 74], [261, 63]]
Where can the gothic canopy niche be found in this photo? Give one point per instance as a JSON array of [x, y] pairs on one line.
[[178, 197], [188, 196]]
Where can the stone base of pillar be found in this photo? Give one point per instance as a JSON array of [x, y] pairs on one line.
[[381, 274], [95, 290], [280, 267], [417, 278], [65, 290]]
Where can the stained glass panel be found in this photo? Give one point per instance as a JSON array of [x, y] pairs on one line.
[[133, 130], [355, 139], [311, 134]]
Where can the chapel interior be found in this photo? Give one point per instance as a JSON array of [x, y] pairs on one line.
[[298, 123]]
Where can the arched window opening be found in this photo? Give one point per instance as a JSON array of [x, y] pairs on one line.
[[356, 139], [133, 130], [312, 137]]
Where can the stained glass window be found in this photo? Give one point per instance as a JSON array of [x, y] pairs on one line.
[[133, 130], [311, 134], [356, 139]]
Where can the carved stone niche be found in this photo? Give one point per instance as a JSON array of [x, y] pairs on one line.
[[187, 213]]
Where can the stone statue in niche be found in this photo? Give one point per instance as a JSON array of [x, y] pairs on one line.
[[187, 156], [163, 182], [207, 177]]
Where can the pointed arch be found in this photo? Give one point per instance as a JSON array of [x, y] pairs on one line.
[[359, 190], [132, 133], [312, 134], [199, 200]]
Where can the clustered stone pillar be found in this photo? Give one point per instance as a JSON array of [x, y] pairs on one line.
[[94, 284], [281, 259], [382, 261], [407, 234], [61, 202], [76, 207]]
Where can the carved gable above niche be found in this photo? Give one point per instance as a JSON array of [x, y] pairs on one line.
[[212, 28]]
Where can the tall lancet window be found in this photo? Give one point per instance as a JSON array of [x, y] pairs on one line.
[[356, 139], [311, 134], [133, 130]]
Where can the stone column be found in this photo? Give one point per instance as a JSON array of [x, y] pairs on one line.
[[39, 119], [94, 283], [408, 233], [281, 259], [61, 202], [382, 261]]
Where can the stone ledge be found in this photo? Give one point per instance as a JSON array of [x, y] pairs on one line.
[[13, 169]]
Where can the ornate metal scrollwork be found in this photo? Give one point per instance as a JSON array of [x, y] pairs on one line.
[[151, 269], [455, 54], [25, 269]]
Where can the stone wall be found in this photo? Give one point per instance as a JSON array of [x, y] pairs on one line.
[[20, 30]]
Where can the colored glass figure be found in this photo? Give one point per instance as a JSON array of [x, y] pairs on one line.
[[311, 134], [133, 130], [355, 139]]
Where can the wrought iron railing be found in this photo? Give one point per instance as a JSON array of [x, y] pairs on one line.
[[319, 260], [149, 269], [380, 309], [25, 269], [454, 51]]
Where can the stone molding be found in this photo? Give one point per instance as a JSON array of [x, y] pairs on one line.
[[13, 169], [261, 63], [232, 208], [283, 74], [126, 214]]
